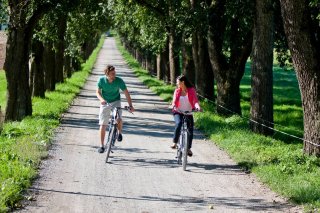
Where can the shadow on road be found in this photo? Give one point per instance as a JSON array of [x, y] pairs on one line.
[[188, 202]]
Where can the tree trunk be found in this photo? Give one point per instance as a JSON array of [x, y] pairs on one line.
[[67, 66], [160, 71], [228, 69], [303, 41], [188, 67], [17, 74], [76, 64], [138, 56], [62, 25], [22, 21], [261, 69], [49, 67], [163, 70], [37, 67], [151, 63], [32, 67], [173, 56], [204, 78]]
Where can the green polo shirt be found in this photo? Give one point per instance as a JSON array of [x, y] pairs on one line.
[[111, 91]]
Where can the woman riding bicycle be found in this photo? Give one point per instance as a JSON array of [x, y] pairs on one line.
[[184, 99]]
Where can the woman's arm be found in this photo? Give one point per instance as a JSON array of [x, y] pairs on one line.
[[196, 100], [173, 104]]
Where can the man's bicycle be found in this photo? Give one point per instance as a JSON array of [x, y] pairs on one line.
[[113, 130], [183, 144]]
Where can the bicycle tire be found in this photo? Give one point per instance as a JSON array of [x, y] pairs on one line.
[[185, 151], [179, 155], [111, 136], [180, 148]]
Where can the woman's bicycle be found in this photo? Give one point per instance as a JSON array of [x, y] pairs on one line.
[[182, 146], [113, 130]]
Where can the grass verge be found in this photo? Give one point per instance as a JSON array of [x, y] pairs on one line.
[[278, 161], [23, 144]]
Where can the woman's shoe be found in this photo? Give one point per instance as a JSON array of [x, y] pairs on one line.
[[190, 153], [173, 146]]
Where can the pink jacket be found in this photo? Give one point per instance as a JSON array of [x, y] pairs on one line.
[[192, 96]]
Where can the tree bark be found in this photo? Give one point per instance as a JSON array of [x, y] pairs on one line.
[[228, 70], [159, 67], [151, 63], [303, 40], [76, 64], [139, 56], [188, 67], [163, 70], [204, 78], [173, 56], [67, 66], [37, 69], [17, 74], [49, 67], [261, 69], [60, 46], [21, 24]]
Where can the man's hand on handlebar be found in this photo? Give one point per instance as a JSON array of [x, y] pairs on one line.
[[130, 108]]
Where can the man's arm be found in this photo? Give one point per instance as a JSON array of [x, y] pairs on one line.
[[126, 93], [99, 96]]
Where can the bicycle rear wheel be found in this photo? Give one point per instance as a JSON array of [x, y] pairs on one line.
[[184, 150], [111, 138]]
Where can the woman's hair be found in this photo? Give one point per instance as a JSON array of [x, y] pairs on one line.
[[108, 69], [185, 80]]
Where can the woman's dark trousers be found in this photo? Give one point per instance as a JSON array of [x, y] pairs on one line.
[[178, 121]]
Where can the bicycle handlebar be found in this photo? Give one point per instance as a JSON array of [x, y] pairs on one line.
[[128, 108], [186, 112]]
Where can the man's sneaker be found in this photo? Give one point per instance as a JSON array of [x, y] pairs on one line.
[[101, 150], [120, 137]]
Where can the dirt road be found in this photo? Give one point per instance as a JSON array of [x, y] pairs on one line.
[[142, 175]]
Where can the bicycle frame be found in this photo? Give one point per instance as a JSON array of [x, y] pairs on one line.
[[112, 132], [182, 150]]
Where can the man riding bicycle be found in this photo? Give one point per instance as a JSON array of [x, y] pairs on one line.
[[108, 92]]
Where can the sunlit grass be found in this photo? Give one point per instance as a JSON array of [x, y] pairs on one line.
[[277, 161], [288, 114], [23, 144]]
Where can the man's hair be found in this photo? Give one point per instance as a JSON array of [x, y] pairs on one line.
[[108, 69]]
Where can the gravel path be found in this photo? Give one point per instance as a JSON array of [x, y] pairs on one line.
[[142, 175]]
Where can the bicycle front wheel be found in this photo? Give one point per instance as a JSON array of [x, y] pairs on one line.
[[111, 138], [184, 150]]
